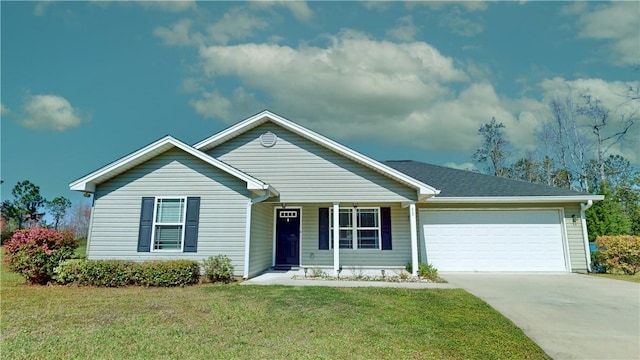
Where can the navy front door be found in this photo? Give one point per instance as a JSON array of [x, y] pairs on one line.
[[288, 237]]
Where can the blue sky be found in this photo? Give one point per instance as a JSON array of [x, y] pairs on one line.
[[84, 83]]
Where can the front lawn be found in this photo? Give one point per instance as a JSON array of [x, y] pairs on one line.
[[632, 278], [252, 322]]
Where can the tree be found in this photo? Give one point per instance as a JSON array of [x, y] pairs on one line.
[[78, 220], [600, 122], [607, 217], [495, 148], [570, 147], [26, 206], [58, 208]]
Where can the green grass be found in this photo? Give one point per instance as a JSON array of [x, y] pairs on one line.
[[632, 278], [207, 321]]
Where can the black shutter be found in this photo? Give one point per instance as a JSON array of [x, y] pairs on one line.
[[323, 229], [385, 228], [146, 224], [191, 223]]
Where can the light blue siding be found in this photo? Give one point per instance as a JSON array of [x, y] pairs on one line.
[[396, 258], [303, 171], [116, 211], [261, 251]]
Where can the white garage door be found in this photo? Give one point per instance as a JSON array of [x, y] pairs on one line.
[[493, 240]]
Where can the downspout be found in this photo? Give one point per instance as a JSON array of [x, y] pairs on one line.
[[247, 230], [585, 237]]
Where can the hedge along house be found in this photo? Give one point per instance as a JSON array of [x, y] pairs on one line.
[[268, 192]]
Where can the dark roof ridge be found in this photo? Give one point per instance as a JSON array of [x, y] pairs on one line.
[[464, 183]]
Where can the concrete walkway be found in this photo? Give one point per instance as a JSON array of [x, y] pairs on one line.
[[286, 278], [570, 316]]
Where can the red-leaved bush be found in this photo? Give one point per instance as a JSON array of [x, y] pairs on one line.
[[35, 252]]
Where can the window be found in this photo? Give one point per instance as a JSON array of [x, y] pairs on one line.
[[359, 224], [168, 229]]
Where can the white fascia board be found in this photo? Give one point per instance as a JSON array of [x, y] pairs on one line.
[[515, 199], [88, 182], [424, 190]]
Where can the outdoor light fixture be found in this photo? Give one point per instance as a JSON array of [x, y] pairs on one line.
[[87, 194], [355, 205], [573, 217], [339, 271], [382, 271], [305, 272]]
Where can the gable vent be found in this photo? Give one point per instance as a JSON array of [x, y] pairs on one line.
[[268, 139]]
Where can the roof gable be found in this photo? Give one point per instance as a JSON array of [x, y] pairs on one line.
[[89, 182], [467, 186], [424, 190]]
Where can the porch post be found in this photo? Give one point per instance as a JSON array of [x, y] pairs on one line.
[[414, 239], [336, 238]]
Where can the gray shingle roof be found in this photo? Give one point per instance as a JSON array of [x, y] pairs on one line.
[[462, 183]]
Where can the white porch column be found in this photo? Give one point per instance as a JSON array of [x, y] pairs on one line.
[[336, 238], [414, 239]]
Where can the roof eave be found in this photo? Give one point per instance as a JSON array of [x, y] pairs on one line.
[[88, 182], [515, 199]]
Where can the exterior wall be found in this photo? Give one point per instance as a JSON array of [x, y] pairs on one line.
[[261, 251], [396, 258], [117, 205], [303, 171], [575, 241]]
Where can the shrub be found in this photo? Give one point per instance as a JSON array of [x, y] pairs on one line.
[[317, 272], [168, 273], [6, 235], [218, 269], [621, 252], [69, 271], [428, 271], [112, 273], [35, 252]]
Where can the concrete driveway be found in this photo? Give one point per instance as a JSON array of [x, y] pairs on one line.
[[570, 316]]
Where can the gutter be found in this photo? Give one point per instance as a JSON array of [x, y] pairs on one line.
[[584, 207], [247, 240]]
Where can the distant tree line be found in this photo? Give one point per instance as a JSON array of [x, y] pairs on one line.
[[29, 208], [576, 151]]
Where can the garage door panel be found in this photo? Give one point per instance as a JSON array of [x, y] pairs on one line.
[[501, 240]]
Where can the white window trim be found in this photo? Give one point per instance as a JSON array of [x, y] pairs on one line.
[[183, 224], [354, 228]]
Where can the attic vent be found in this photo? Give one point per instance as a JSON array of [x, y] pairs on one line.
[[268, 139]]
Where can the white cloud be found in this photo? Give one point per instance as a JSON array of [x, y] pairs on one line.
[[460, 25], [4, 111], [179, 34], [299, 9], [469, 6], [50, 112], [235, 24], [379, 6], [617, 23], [464, 166], [215, 105], [360, 88], [168, 5], [611, 95], [405, 31], [41, 6]]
